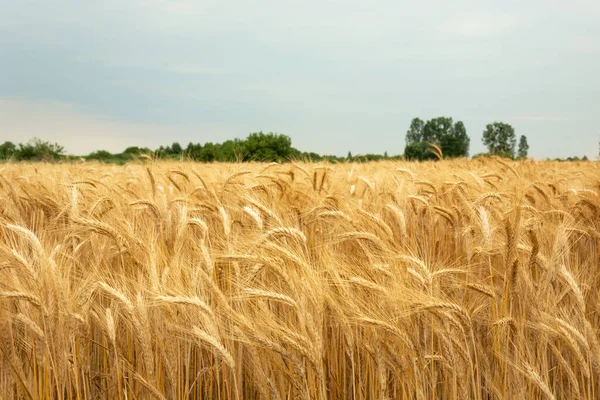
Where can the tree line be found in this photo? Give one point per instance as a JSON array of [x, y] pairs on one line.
[[422, 139], [436, 138], [33, 150], [258, 146]]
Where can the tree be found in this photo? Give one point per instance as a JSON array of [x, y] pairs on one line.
[[523, 147], [456, 142], [7, 150], [349, 156], [208, 152], [419, 151], [500, 139], [100, 155], [134, 150], [415, 132], [193, 150], [261, 146], [36, 149], [311, 156], [231, 150], [176, 148], [436, 128], [451, 137]]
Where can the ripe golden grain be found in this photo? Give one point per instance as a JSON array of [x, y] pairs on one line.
[[375, 280]]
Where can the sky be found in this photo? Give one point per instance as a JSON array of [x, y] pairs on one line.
[[335, 76]]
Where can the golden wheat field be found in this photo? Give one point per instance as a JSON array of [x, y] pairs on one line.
[[392, 280]]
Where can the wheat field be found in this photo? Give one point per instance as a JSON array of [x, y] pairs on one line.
[[392, 280]]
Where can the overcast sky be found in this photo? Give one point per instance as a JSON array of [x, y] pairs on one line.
[[335, 76]]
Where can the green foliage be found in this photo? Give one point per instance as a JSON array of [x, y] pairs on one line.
[[7, 150], [204, 153], [419, 151], [257, 146], [134, 150], [415, 132], [500, 139], [451, 137], [308, 156], [34, 150], [575, 158], [171, 151], [99, 155], [523, 147], [267, 147], [443, 132], [455, 142], [107, 157], [369, 157], [229, 151], [176, 148], [436, 128]]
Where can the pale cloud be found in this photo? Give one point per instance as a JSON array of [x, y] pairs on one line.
[[556, 118], [132, 61], [587, 45], [335, 75], [82, 132], [78, 131], [480, 25], [194, 69]]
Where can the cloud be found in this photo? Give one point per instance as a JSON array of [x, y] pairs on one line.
[[587, 45], [553, 118], [324, 72], [82, 132], [480, 25], [194, 69], [131, 61]]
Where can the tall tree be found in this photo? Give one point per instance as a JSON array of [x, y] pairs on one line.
[[455, 142], [176, 148], [36, 149], [7, 150], [415, 132], [523, 147], [451, 137], [267, 147], [419, 151], [500, 139], [436, 128]]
